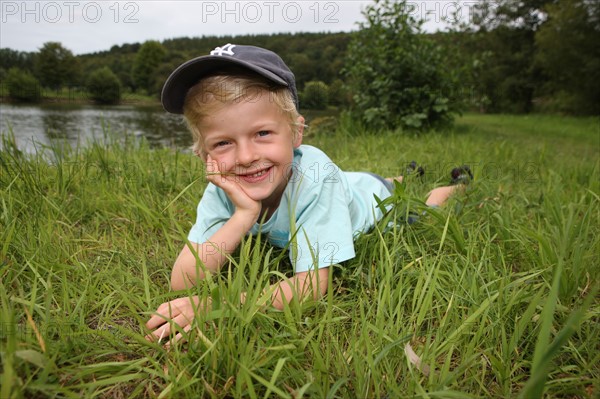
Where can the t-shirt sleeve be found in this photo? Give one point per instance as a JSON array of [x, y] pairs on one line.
[[213, 211], [323, 231]]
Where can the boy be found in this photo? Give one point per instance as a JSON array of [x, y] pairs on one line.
[[241, 105]]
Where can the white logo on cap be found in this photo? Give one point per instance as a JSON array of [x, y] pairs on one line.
[[226, 49]]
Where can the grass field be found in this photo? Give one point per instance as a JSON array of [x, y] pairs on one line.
[[496, 293]]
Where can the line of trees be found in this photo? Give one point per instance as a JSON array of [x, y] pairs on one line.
[[143, 68], [513, 56], [519, 56]]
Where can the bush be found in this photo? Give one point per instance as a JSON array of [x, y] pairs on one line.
[[104, 86], [338, 95], [315, 95], [396, 73], [22, 85]]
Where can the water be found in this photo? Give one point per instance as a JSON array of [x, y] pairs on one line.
[[36, 125]]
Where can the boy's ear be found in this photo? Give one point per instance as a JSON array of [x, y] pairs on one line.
[[299, 131]]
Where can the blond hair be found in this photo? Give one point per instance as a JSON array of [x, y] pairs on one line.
[[215, 92]]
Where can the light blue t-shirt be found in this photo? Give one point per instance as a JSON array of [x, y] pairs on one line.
[[321, 211]]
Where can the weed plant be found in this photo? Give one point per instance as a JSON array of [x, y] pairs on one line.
[[496, 294]]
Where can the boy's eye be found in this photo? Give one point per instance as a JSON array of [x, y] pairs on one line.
[[221, 143], [263, 133]]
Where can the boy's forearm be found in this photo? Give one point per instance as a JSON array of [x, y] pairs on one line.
[[212, 253], [301, 285], [226, 240]]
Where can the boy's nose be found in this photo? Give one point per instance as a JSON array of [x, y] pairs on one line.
[[246, 154]]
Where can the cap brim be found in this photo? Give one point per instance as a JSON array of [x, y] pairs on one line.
[[188, 74]]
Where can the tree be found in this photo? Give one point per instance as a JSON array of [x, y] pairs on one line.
[[507, 77], [104, 86], [147, 60], [518, 14], [16, 59], [568, 53], [500, 40], [338, 95], [22, 85], [56, 66], [396, 73], [315, 95], [161, 73], [302, 66]]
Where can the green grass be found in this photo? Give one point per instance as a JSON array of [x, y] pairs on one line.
[[496, 292]]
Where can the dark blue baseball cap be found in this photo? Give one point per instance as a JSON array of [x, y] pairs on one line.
[[262, 61]]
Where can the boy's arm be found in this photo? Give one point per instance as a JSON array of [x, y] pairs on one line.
[[212, 253], [181, 311], [301, 285]]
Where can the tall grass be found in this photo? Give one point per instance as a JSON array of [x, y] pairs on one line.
[[496, 293]]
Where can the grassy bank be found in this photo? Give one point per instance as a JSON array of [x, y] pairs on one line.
[[495, 292], [74, 95]]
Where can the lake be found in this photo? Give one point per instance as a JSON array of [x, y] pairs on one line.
[[41, 124], [33, 125]]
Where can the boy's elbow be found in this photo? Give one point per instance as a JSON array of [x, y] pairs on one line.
[[184, 272], [183, 278], [180, 278]]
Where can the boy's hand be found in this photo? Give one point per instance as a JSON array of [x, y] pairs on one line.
[[180, 311], [234, 191]]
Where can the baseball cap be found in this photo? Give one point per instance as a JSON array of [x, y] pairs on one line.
[[262, 61]]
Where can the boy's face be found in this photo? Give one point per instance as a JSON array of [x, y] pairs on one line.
[[253, 141]]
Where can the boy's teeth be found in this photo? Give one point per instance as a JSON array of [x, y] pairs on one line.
[[256, 174]]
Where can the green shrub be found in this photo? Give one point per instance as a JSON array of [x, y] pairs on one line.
[[397, 74], [22, 85], [315, 95], [104, 86], [338, 95]]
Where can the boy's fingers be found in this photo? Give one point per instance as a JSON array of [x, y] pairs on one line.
[[178, 316], [159, 333], [179, 337], [214, 177], [164, 313], [165, 331], [222, 181], [155, 321], [211, 166], [164, 325]]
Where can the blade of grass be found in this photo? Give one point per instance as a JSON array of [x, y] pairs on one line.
[[534, 388]]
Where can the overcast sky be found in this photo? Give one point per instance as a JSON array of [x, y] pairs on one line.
[[89, 26]]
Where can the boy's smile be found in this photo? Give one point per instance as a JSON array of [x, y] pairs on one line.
[[257, 176], [252, 143]]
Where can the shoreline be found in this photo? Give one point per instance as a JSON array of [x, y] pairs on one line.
[[80, 101]]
